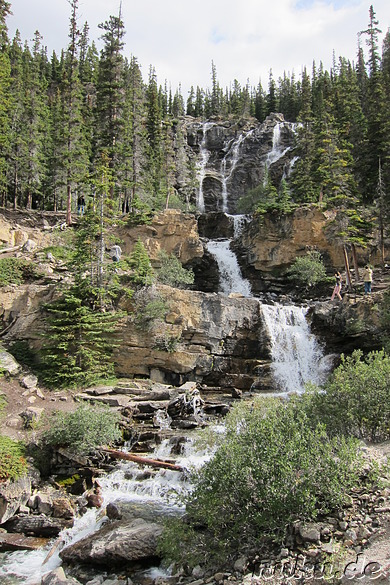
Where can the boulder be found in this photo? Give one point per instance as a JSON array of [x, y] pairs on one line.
[[13, 494], [58, 577], [116, 543], [8, 363], [37, 525]]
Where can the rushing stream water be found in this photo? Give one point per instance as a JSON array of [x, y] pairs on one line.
[[147, 495]]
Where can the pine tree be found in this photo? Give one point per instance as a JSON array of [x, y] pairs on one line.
[[5, 98], [110, 95], [79, 342], [304, 187], [140, 263], [75, 157]]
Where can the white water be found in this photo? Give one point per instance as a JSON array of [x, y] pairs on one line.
[[202, 165], [228, 165], [231, 279], [276, 152], [146, 494], [297, 357]]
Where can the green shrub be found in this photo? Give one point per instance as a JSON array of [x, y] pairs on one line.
[[308, 270], [171, 271], [64, 253], [16, 271], [83, 430], [12, 459], [356, 399], [272, 468]]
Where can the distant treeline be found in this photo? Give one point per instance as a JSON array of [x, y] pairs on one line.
[[66, 117]]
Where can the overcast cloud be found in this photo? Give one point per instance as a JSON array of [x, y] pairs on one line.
[[244, 38]]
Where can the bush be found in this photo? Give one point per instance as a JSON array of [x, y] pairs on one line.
[[12, 459], [356, 399], [172, 273], [84, 430], [16, 271], [272, 468], [308, 270]]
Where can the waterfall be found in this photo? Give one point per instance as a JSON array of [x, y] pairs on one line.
[[146, 495], [297, 357], [276, 152], [229, 163], [202, 165], [231, 279]]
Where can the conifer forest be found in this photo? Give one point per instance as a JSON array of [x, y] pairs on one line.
[[64, 118]]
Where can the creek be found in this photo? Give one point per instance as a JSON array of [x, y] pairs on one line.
[[297, 358]]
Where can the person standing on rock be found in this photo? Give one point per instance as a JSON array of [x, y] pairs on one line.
[[337, 287], [367, 278]]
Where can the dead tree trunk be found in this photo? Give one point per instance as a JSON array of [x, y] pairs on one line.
[[142, 460]]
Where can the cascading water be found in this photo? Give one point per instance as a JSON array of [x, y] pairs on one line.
[[202, 165], [276, 152], [297, 357], [231, 279], [146, 495], [228, 165]]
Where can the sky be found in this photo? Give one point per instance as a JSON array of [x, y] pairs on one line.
[[245, 39]]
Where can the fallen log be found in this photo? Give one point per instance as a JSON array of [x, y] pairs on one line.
[[12, 249], [143, 460]]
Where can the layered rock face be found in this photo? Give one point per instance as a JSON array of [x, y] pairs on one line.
[[205, 337]]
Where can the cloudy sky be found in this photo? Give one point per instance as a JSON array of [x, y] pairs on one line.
[[244, 38]]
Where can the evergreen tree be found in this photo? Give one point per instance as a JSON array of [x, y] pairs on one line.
[[5, 98], [142, 271], [110, 94], [304, 187], [75, 156]]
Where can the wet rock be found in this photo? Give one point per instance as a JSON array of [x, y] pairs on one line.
[[58, 577], [116, 543], [10, 542], [13, 494], [37, 525]]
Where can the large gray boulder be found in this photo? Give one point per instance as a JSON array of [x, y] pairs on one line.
[[8, 363], [13, 494], [116, 543]]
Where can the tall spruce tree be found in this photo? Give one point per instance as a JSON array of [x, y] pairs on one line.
[[5, 99], [75, 152]]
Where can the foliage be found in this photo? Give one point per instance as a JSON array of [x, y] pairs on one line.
[[166, 343], [171, 271], [273, 468], [12, 459], [266, 198], [17, 271], [385, 320], [308, 270], [149, 309], [142, 271], [83, 430], [79, 342], [59, 252], [356, 399]]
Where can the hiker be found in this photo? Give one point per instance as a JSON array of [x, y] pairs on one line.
[[116, 253], [80, 205], [337, 287], [367, 278]]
